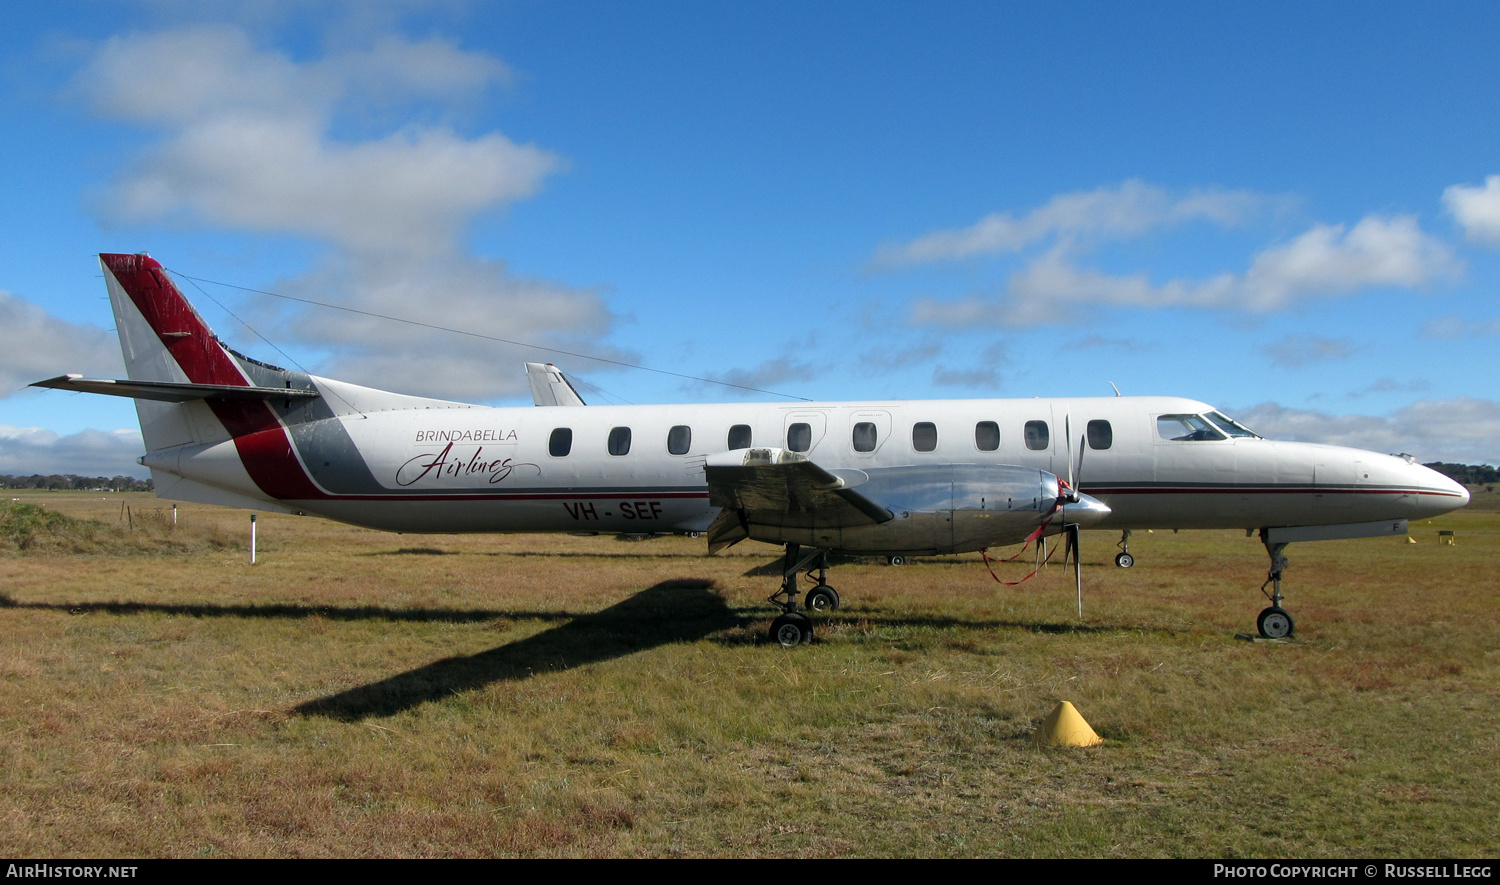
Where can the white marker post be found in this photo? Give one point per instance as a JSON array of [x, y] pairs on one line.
[[252, 539]]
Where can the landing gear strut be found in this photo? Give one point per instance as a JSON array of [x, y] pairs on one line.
[[1124, 559], [1274, 622], [792, 627]]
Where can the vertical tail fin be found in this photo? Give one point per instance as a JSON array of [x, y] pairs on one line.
[[161, 336], [163, 339]]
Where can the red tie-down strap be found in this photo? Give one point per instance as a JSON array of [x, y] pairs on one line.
[[1037, 533]]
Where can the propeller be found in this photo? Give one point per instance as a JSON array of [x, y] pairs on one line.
[[1072, 496]]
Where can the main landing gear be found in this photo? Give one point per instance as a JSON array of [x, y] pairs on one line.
[[792, 627], [1124, 559], [1274, 622]]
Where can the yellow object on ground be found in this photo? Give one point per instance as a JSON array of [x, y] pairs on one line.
[[1065, 727]]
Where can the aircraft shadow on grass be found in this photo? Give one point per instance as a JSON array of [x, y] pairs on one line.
[[290, 611], [683, 610]]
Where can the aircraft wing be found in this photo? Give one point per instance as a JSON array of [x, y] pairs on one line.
[[170, 391], [777, 487]]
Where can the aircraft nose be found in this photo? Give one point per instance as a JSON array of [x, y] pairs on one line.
[[1086, 511], [1448, 485]]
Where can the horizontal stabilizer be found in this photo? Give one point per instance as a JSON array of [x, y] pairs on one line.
[[171, 391]]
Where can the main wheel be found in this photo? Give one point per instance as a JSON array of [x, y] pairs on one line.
[[1124, 560], [897, 559], [791, 630], [1275, 623], [822, 598]]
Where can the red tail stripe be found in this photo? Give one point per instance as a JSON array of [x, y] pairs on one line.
[[263, 444], [181, 331]]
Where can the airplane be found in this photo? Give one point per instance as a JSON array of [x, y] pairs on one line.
[[892, 478]]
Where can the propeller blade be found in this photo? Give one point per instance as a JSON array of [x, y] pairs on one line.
[[1073, 538], [1072, 495], [1082, 450]]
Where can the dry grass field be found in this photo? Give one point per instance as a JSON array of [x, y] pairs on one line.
[[359, 694]]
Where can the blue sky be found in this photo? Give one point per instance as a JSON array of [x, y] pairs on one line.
[[1289, 211]]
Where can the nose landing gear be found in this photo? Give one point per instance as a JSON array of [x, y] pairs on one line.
[[1123, 559], [1274, 622]]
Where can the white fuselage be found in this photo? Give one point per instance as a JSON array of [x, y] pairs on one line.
[[414, 465]]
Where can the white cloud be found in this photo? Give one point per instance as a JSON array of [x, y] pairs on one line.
[[765, 376], [1326, 260], [1477, 209], [984, 378], [477, 297], [1452, 328], [881, 360], [410, 192], [1296, 351], [1129, 210], [1462, 430], [25, 451], [251, 139], [248, 140], [40, 346], [1378, 251]]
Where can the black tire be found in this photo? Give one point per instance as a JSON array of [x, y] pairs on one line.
[[896, 559], [1124, 560], [1275, 623], [822, 598]]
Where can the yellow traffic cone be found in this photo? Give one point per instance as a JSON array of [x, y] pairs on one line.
[[1065, 727]]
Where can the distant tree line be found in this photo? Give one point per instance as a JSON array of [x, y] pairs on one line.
[[1471, 474], [77, 483]]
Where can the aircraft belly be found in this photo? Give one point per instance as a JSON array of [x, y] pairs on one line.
[[641, 513]]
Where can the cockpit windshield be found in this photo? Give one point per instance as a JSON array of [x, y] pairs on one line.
[[1186, 428], [1231, 426], [1197, 428]]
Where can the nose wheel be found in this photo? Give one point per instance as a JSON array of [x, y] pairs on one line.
[[1123, 559], [1275, 623]]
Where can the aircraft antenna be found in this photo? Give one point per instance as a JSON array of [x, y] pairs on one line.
[[256, 332], [435, 327]]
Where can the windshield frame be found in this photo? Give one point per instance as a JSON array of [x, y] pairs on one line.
[[1228, 425]]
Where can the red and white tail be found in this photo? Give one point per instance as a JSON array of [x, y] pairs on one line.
[[162, 337], [165, 341]]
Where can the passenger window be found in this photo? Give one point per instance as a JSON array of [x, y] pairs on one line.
[[987, 436], [1101, 435], [1038, 437], [924, 436], [739, 436], [799, 437], [679, 439], [561, 442], [619, 441], [864, 437]]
